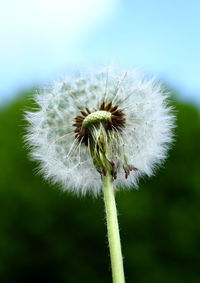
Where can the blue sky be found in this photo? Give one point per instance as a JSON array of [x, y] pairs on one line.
[[41, 40]]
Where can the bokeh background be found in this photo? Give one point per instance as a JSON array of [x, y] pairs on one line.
[[50, 236]]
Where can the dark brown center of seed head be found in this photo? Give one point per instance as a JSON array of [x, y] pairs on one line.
[[116, 121]]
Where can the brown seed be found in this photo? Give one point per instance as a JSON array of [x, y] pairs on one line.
[[102, 106], [88, 111], [84, 113], [113, 109], [108, 106]]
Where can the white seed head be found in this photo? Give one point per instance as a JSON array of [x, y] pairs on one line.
[[108, 120]]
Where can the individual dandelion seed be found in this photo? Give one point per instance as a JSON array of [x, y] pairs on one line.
[[107, 127]]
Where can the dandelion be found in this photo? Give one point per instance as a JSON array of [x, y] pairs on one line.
[[101, 130]]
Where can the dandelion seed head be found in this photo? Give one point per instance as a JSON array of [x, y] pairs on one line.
[[87, 123]]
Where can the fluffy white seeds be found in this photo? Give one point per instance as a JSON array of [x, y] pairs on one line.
[[141, 143]]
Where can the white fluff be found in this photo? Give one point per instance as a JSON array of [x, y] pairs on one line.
[[146, 136]]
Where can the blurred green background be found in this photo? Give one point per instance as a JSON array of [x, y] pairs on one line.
[[50, 236]]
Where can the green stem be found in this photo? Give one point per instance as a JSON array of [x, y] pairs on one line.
[[113, 230]]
